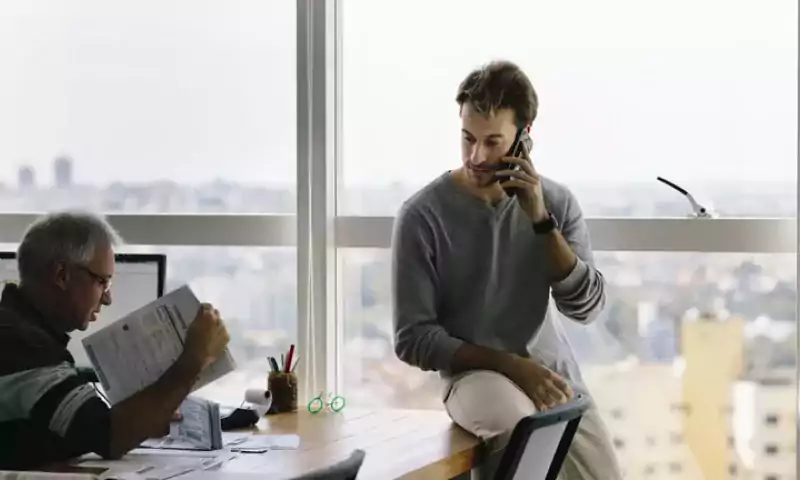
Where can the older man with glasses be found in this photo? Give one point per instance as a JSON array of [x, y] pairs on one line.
[[48, 412]]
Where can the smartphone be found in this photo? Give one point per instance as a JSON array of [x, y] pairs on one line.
[[522, 141]]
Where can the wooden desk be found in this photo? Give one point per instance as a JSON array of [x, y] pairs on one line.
[[408, 444]]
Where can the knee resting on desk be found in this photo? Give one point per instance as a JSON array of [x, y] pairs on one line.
[[489, 405]]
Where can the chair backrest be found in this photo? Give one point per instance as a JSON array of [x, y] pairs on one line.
[[347, 469], [539, 443]]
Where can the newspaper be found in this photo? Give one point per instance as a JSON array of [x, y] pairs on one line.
[[134, 352]]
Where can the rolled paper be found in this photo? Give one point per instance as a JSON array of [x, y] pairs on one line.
[[260, 400]]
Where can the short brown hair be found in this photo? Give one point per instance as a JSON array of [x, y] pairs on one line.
[[499, 85]]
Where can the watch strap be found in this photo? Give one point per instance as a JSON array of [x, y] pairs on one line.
[[545, 226]]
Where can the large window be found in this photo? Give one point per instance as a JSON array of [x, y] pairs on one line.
[[148, 106], [251, 140], [702, 93], [164, 107], [683, 330]]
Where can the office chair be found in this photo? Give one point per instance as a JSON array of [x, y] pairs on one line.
[[539, 443], [347, 469]]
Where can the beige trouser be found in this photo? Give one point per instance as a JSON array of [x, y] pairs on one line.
[[490, 405]]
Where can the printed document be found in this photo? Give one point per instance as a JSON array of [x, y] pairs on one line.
[[144, 464], [199, 428], [134, 351]]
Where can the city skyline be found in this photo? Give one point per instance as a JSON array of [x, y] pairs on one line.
[[210, 89], [33, 174]]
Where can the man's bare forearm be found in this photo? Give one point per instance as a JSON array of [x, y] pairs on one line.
[[472, 357], [562, 258], [142, 415]]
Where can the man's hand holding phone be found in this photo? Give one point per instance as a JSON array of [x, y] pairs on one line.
[[526, 181]]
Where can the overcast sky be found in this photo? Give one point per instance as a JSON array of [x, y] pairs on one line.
[[191, 90]]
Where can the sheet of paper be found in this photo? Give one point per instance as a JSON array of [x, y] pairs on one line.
[[133, 352], [156, 465], [7, 475], [149, 472], [169, 443], [244, 441]]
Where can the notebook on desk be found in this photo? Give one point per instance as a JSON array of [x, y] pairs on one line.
[[199, 429]]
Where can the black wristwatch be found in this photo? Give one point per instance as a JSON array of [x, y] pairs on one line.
[[545, 226]]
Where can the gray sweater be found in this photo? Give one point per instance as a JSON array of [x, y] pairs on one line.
[[465, 271]]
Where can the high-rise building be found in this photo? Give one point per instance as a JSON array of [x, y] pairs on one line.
[[701, 417], [764, 425], [643, 407], [26, 177], [62, 171], [712, 346]]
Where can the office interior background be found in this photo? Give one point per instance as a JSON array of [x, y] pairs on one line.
[[265, 145]]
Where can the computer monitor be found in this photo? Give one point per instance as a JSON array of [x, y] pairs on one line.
[[138, 279]]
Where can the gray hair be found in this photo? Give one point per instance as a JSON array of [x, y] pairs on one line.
[[66, 236]]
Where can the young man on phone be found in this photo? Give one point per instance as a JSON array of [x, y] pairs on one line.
[[477, 254]]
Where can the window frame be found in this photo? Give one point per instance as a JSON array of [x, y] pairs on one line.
[[318, 232], [722, 235]]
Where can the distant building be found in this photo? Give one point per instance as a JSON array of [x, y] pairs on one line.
[[646, 427], [657, 334], [712, 345], [764, 425], [26, 177], [62, 172]]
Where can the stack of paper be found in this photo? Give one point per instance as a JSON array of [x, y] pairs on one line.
[[136, 350], [256, 443], [200, 428], [146, 464], [11, 475]]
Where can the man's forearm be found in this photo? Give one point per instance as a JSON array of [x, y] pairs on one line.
[[140, 416], [562, 258], [472, 357]]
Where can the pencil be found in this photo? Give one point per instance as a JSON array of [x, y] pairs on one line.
[[274, 365], [289, 358]]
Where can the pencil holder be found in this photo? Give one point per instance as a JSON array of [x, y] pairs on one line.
[[283, 387]]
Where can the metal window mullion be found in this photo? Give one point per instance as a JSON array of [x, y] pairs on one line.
[[324, 186], [182, 229], [316, 247], [797, 297], [334, 164], [766, 235], [304, 153]]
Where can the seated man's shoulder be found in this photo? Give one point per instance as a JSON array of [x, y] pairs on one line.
[[24, 345], [430, 197], [557, 196], [556, 191]]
